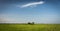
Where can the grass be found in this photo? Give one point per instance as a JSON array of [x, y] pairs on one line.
[[27, 27]]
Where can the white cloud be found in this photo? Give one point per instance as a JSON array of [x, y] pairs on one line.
[[32, 4]]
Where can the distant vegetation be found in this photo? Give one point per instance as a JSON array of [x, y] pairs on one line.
[[31, 23], [27, 27]]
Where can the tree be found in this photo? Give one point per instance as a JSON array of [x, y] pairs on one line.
[[31, 23]]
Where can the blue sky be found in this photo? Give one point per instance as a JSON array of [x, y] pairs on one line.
[[23, 11]]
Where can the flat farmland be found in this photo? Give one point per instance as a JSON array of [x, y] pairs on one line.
[[27, 27]]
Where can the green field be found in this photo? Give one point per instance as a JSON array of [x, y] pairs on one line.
[[27, 27]]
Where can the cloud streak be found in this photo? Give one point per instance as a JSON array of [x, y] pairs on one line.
[[32, 4]]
